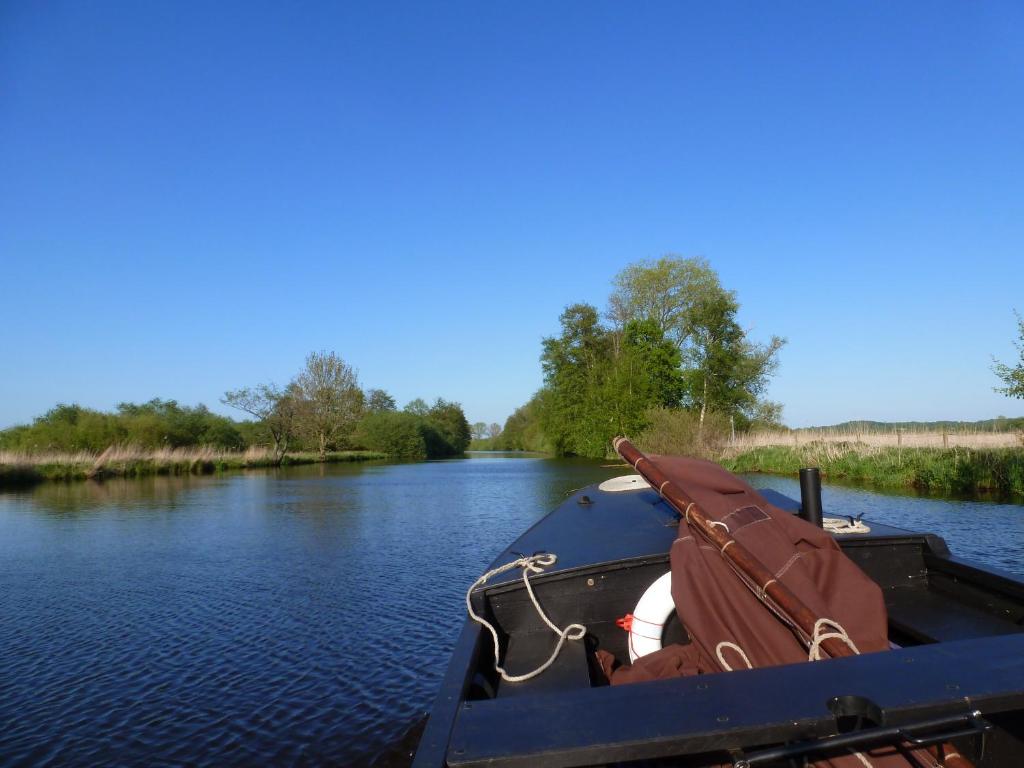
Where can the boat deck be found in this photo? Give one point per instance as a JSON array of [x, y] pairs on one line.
[[958, 628]]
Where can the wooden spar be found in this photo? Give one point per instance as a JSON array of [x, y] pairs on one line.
[[776, 595]]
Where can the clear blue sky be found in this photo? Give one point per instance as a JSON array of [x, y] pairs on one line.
[[195, 195]]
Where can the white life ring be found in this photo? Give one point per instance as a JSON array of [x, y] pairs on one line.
[[649, 618]]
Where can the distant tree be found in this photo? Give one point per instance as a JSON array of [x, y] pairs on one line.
[[398, 434], [494, 431], [330, 400], [479, 430], [379, 401], [276, 409], [1012, 376], [154, 424], [418, 407], [766, 415], [449, 422]]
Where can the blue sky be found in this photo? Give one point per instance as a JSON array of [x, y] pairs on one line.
[[195, 195]]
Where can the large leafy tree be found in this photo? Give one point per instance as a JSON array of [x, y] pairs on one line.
[[1012, 376], [664, 292], [600, 382], [576, 365], [329, 399], [724, 370], [448, 422]]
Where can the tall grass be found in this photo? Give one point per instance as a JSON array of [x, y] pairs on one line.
[[677, 432], [21, 467]]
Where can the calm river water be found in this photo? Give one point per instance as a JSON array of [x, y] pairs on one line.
[[300, 617]]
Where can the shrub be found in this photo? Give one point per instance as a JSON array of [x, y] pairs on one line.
[[396, 433], [678, 432]]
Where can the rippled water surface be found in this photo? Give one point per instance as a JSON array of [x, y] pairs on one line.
[[301, 617], [294, 618]]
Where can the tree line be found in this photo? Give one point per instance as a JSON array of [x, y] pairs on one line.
[[667, 358], [322, 409]]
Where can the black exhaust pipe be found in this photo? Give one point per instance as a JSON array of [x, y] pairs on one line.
[[810, 495]]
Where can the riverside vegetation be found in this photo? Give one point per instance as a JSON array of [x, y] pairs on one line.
[[323, 415], [668, 364], [936, 461]]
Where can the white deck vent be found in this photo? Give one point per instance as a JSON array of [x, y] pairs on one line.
[[624, 483]]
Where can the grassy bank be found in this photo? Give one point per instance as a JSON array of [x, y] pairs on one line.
[[17, 468], [942, 470]]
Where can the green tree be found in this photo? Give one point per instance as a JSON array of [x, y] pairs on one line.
[[664, 292], [599, 382], [398, 434], [575, 417], [452, 431], [330, 401], [1012, 376], [418, 407], [725, 371], [379, 401], [523, 430]]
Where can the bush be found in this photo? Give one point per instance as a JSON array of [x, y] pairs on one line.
[[396, 433], [676, 432]]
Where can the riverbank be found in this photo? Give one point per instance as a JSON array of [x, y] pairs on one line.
[[996, 471], [21, 469]]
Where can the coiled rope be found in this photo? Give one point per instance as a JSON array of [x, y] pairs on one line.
[[532, 564]]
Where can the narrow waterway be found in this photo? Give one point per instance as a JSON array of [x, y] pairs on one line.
[[300, 617]]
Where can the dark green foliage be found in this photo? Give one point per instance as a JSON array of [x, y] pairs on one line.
[[156, 424], [379, 401], [399, 435], [418, 406], [451, 427], [600, 383], [523, 431], [437, 431]]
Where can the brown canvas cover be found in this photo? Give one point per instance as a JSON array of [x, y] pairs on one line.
[[717, 607]]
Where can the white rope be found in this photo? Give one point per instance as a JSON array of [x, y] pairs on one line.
[[733, 647], [842, 525], [819, 636], [813, 653], [533, 564]]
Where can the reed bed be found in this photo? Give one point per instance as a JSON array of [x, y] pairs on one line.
[[23, 468], [957, 470], [973, 439]]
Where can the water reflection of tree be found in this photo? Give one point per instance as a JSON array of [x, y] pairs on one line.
[[70, 499]]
